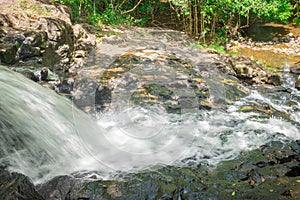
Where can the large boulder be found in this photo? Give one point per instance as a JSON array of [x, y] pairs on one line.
[[147, 77], [37, 34], [295, 68], [252, 72], [41, 29]]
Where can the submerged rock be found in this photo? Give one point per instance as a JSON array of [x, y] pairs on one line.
[[272, 171]]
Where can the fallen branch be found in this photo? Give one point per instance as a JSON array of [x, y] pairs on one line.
[[128, 11]]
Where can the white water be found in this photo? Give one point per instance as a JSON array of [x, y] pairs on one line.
[[43, 135]]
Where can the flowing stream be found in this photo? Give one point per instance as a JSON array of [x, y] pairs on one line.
[[44, 135]]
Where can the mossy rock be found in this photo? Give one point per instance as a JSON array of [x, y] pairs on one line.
[[8, 53]]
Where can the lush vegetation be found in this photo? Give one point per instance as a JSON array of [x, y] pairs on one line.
[[207, 20]]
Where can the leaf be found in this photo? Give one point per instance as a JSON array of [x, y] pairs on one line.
[[298, 181], [233, 193]]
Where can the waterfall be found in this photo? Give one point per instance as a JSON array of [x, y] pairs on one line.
[[42, 134]]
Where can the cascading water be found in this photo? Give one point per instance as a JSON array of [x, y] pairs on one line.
[[38, 134], [43, 135]]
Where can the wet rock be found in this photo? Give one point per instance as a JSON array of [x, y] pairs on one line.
[[27, 51], [66, 86], [271, 171], [8, 53], [85, 92], [297, 83], [17, 187], [68, 187], [157, 77], [295, 69], [13, 36], [268, 172], [252, 72], [57, 188]]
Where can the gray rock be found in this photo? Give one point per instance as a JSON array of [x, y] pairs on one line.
[[8, 53], [252, 72], [15, 186]]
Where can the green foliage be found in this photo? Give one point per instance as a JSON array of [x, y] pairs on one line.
[[205, 18], [94, 11], [296, 20], [111, 17], [209, 21], [217, 47]]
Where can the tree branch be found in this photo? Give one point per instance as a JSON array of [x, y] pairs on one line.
[[128, 11]]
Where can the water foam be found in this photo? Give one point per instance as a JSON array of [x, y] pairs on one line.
[[43, 135]]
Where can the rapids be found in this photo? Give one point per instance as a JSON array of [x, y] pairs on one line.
[[42, 134]]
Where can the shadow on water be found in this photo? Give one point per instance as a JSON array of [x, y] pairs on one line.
[[264, 32], [271, 44]]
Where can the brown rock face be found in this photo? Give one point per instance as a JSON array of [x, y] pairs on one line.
[[252, 72], [40, 32], [296, 68]]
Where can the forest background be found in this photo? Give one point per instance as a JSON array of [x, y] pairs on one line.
[[208, 21]]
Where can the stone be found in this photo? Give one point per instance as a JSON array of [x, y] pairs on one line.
[[14, 37], [297, 83], [27, 51], [68, 187], [252, 72], [84, 40], [296, 68], [16, 186], [8, 53]]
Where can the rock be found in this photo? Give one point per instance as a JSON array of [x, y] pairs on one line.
[[15, 186], [27, 51], [180, 86], [291, 35], [58, 31], [296, 68], [66, 86], [275, 39], [41, 74], [85, 91], [85, 40], [271, 171], [32, 37], [252, 72], [297, 83], [61, 40], [57, 188], [8, 53], [68, 187]]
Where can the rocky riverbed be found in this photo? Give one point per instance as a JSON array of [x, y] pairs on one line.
[[153, 66], [272, 171]]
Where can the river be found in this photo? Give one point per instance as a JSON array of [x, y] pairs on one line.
[[44, 135]]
